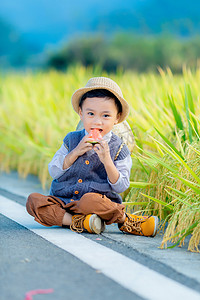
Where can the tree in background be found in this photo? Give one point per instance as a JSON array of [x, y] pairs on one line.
[[129, 51]]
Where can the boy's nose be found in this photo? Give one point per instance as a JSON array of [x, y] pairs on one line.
[[97, 121]]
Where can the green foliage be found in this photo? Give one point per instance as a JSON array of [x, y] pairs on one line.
[[174, 196], [177, 171], [128, 51]]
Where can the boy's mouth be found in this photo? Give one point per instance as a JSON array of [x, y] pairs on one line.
[[100, 130], [95, 135]]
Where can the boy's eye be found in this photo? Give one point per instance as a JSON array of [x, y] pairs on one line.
[[106, 116], [90, 113]]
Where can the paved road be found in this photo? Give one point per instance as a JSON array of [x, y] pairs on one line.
[[85, 266]]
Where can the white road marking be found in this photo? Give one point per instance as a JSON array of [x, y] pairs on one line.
[[128, 273]]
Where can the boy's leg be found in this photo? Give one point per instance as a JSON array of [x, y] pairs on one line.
[[92, 211], [93, 203], [50, 210], [47, 210], [111, 212], [139, 225]]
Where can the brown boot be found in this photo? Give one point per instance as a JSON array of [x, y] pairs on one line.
[[140, 225], [91, 223]]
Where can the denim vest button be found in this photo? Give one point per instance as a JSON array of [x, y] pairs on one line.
[[87, 162]]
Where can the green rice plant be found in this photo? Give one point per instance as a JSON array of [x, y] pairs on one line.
[[168, 174], [177, 190]]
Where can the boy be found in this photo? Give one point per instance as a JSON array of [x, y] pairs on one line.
[[88, 177]]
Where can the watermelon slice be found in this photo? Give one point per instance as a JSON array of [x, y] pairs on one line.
[[95, 135]]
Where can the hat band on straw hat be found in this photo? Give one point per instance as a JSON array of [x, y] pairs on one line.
[[101, 83]]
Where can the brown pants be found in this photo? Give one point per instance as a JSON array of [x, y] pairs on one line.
[[50, 210]]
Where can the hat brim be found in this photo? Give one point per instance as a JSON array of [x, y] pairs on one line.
[[80, 92]]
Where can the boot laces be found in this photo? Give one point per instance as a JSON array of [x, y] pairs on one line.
[[132, 224], [77, 223]]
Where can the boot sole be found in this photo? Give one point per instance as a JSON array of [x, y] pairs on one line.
[[156, 226], [97, 225]]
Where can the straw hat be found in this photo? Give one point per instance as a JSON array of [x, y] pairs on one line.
[[101, 83]]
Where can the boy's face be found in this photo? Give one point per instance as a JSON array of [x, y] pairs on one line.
[[99, 113]]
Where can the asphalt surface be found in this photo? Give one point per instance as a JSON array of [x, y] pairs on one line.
[[30, 262]]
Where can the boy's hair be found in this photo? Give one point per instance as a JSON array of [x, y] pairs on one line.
[[101, 93]]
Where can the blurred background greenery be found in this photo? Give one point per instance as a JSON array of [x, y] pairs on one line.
[[133, 34]]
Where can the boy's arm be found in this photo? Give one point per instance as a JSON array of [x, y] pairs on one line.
[[62, 159], [103, 151], [69, 159], [56, 165], [111, 170], [80, 149], [124, 168]]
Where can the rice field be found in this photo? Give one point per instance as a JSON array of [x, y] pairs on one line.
[[36, 113]]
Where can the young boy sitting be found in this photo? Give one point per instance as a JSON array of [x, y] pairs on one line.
[[88, 176]]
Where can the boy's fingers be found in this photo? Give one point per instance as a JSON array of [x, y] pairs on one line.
[[103, 143], [96, 147]]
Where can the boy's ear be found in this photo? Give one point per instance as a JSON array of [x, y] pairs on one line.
[[80, 113], [117, 118]]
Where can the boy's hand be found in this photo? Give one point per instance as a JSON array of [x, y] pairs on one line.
[[80, 149], [103, 151], [83, 146]]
